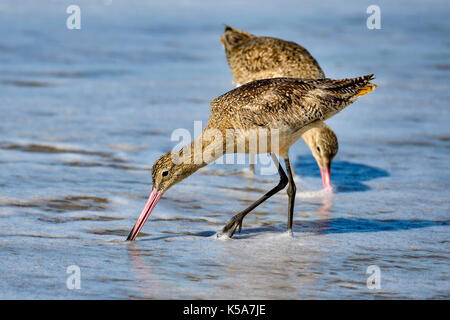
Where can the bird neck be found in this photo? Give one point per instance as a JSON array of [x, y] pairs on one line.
[[208, 147], [203, 150]]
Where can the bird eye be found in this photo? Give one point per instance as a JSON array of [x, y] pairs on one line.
[[318, 149], [165, 173]]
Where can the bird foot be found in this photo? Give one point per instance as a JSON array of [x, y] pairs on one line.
[[232, 225]]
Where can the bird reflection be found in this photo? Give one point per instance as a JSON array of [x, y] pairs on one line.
[[324, 211], [146, 276]]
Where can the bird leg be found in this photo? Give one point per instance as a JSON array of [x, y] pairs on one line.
[[291, 191], [236, 221]]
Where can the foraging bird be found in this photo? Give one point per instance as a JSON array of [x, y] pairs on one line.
[[253, 57], [284, 107]]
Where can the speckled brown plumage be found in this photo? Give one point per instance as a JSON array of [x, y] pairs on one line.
[[284, 102], [288, 105], [253, 57]]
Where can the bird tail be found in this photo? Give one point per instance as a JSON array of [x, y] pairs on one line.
[[335, 95], [232, 37], [351, 88], [366, 89]]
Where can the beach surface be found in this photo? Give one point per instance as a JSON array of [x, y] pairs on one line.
[[84, 114]]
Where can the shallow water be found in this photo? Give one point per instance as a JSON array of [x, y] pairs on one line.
[[85, 113]]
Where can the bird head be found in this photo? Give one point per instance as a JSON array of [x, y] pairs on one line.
[[167, 171], [324, 146]]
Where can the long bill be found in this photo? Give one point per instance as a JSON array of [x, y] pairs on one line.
[[326, 176], [151, 203]]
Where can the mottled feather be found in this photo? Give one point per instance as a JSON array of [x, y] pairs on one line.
[[284, 102], [253, 57]]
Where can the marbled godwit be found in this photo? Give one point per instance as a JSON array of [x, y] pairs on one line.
[[285, 106], [253, 57]]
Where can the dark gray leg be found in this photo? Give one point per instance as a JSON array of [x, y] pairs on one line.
[[236, 221], [291, 191]]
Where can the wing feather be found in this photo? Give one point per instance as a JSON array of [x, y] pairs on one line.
[[281, 102]]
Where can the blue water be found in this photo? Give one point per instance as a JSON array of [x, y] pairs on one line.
[[85, 113]]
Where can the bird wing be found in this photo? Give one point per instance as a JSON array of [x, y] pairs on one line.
[[285, 102]]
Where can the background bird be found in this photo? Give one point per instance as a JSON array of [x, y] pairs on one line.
[[284, 107], [253, 57]]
